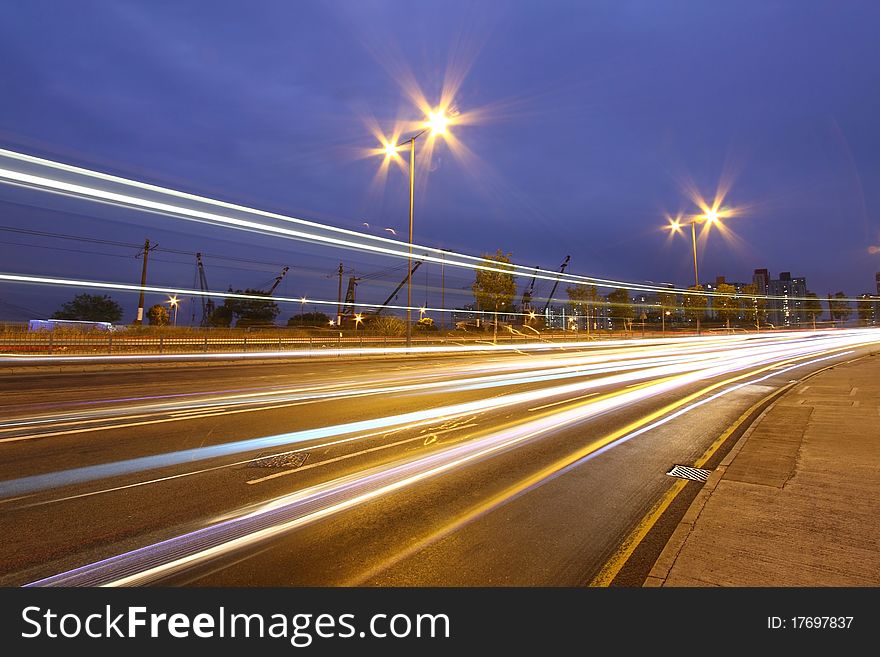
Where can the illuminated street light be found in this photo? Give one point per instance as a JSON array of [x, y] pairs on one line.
[[358, 319], [436, 124], [302, 311], [174, 302], [711, 217]]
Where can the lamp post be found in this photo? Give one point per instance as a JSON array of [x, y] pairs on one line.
[[174, 302], [710, 217], [435, 123], [302, 311]]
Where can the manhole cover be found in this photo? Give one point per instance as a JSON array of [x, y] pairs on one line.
[[686, 472], [294, 460]]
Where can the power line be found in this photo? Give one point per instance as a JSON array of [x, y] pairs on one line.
[[129, 245]]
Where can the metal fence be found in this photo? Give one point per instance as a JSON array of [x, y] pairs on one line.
[[122, 343]]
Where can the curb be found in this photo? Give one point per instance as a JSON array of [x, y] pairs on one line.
[[664, 563]]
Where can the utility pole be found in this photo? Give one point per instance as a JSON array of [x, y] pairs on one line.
[[145, 253], [339, 299]]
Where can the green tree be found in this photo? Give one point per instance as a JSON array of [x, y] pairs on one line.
[[494, 290], [840, 310], [695, 304], [620, 308], [158, 315], [583, 298], [813, 307], [315, 320], [90, 308], [726, 304], [221, 317], [246, 312], [754, 306], [388, 325]]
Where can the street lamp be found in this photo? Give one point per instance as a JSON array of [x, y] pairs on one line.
[[358, 319], [436, 123], [302, 311], [174, 302], [710, 217], [663, 317]]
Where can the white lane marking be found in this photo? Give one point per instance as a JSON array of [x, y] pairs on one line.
[[565, 401], [275, 475]]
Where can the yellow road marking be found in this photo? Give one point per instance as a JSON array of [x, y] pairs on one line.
[[613, 566]]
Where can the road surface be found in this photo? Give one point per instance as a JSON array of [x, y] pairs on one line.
[[522, 467]]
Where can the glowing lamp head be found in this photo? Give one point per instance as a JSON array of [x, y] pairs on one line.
[[712, 216], [437, 122], [358, 318], [173, 301], [674, 226], [390, 149]]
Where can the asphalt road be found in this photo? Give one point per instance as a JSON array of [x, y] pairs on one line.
[[508, 468]]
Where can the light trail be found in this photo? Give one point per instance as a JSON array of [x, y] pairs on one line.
[[289, 512], [687, 372], [531, 371], [54, 177]]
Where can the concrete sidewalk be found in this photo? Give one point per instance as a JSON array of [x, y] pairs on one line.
[[795, 502]]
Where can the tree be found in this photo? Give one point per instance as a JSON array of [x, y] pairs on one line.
[[90, 308], [221, 317], [158, 315], [695, 304], [726, 305], [246, 312], [840, 310], [582, 299], [755, 305], [620, 307], [314, 319], [388, 325], [813, 307], [494, 290]]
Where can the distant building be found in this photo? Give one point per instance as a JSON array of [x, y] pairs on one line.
[[868, 309], [761, 279], [788, 310], [877, 278], [711, 309]]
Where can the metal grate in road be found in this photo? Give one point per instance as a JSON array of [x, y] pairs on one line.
[[687, 472]]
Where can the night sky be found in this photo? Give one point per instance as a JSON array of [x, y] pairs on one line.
[[591, 121]]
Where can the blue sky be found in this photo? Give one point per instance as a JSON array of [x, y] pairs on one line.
[[595, 118]]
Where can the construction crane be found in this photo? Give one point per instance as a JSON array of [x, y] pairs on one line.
[[526, 302], [207, 302], [278, 280], [348, 306], [556, 284], [396, 290]]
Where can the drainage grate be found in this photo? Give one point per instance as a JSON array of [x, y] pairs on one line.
[[295, 460], [687, 472]]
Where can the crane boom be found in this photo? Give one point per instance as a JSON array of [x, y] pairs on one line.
[[526, 302], [556, 284], [397, 289], [207, 302], [278, 280]]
